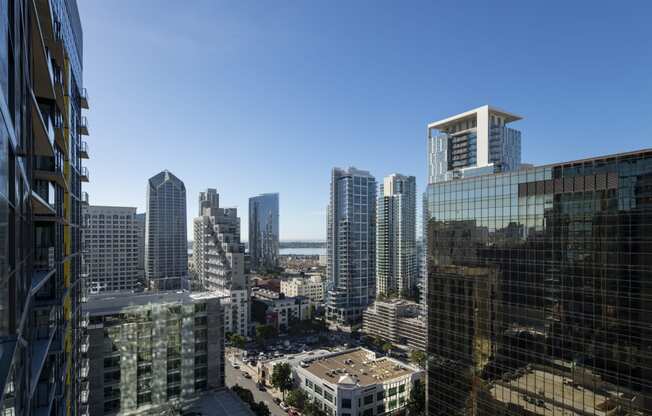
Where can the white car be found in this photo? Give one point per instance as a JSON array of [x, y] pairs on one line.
[[283, 406]]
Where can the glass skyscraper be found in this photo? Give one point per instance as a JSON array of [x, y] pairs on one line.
[[263, 231], [351, 245], [43, 364], [540, 290], [166, 238]]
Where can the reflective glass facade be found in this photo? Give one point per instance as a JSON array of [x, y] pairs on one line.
[[263, 231], [43, 368], [540, 290]]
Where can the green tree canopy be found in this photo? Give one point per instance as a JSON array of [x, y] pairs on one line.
[[265, 333], [296, 398], [416, 405], [282, 377], [418, 357]]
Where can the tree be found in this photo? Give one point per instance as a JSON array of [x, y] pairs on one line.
[[387, 347], [245, 395], [418, 358], [312, 409], [238, 341], [264, 333], [296, 398], [260, 409], [416, 405], [282, 378]]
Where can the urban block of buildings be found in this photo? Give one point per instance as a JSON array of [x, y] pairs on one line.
[[42, 97], [539, 288], [276, 309], [264, 231], [397, 321], [166, 239], [112, 252], [397, 271], [351, 245], [219, 258], [310, 287], [356, 382], [148, 351]]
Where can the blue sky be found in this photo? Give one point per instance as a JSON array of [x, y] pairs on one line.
[[267, 96]]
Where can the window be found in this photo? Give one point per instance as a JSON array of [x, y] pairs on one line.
[[318, 390], [309, 384], [368, 399], [346, 403], [391, 391], [380, 395], [401, 388]]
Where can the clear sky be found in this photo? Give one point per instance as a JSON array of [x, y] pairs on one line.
[[267, 96]]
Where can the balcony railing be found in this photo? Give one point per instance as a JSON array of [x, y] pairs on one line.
[[83, 98], [83, 174], [83, 126], [84, 198], [83, 150], [84, 369]]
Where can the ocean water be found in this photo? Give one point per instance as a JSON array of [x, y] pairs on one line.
[[303, 251]]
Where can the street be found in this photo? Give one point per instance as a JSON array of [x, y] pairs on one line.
[[233, 377]]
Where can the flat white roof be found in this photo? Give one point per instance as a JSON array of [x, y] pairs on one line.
[[509, 117]]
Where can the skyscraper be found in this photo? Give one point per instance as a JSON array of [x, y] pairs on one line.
[[111, 242], [397, 270], [539, 289], [476, 142], [219, 259], [166, 240], [263, 231], [351, 245], [42, 330]]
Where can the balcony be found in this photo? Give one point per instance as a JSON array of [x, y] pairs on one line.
[[42, 70], [39, 351], [83, 347], [43, 198], [83, 174], [83, 99], [50, 169], [83, 394], [84, 320], [84, 198], [83, 126], [43, 131], [83, 150], [84, 368]]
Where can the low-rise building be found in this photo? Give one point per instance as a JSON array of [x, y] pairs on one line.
[[149, 350], [397, 321], [311, 287], [276, 309], [265, 368], [356, 382]]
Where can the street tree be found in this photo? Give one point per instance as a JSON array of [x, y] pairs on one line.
[[282, 378], [416, 405]]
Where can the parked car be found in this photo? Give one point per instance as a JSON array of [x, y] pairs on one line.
[[245, 374], [284, 406], [277, 400], [261, 387]]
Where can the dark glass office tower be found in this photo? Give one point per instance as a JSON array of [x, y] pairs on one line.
[[42, 331], [263, 231], [540, 290], [166, 238]]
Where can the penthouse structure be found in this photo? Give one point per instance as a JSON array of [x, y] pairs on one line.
[[396, 321], [473, 143]]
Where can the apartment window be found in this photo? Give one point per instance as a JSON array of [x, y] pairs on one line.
[[346, 403]]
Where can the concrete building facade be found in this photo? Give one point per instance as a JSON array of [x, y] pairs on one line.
[[111, 242], [356, 382], [397, 271], [397, 321], [278, 310], [150, 351], [166, 239], [311, 287], [219, 259], [351, 245], [473, 143]]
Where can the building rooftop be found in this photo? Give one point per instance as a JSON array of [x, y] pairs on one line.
[[104, 303], [509, 117], [357, 366]]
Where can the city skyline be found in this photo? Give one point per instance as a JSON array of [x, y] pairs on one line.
[[334, 79]]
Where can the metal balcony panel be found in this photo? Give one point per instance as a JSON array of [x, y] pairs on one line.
[[40, 206], [43, 134], [83, 126], [83, 150], [83, 99], [42, 73]]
